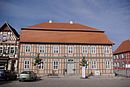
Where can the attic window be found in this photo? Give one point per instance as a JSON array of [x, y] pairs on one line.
[[4, 38]]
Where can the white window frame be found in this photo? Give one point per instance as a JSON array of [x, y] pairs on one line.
[[117, 57], [87, 64], [107, 64], [1, 37], [11, 50], [4, 38], [1, 49], [55, 49], [93, 49], [70, 49], [55, 65], [93, 64], [26, 64], [41, 65], [122, 55], [27, 48], [107, 49], [85, 49], [6, 50], [41, 49]]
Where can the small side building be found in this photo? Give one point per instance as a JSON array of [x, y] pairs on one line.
[[9, 45], [121, 59]]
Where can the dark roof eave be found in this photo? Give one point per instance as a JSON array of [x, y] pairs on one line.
[[66, 43], [115, 53], [55, 29]]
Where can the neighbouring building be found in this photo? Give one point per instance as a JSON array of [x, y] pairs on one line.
[[9, 45], [62, 47], [122, 59]]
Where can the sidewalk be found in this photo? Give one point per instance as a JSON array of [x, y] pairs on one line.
[[79, 77]]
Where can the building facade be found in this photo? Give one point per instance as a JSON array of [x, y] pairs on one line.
[[122, 59], [62, 46], [9, 45]]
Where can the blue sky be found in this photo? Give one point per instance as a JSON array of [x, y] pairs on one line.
[[112, 16]]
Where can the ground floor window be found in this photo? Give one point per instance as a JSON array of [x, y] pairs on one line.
[[41, 65], [55, 64], [93, 64], [87, 64], [107, 64], [26, 64]]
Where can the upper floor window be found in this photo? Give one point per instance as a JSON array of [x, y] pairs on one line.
[[12, 50], [122, 55], [114, 57], [55, 64], [5, 50], [1, 36], [84, 49], [4, 37], [41, 49], [106, 49], [93, 49], [55, 49], [27, 48], [70, 49], [117, 56], [1, 49]]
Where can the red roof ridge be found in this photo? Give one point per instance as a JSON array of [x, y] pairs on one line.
[[62, 26]]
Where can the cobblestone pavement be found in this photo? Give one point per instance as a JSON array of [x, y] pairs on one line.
[[70, 82]]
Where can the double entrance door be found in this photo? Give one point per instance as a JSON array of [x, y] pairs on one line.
[[70, 66]]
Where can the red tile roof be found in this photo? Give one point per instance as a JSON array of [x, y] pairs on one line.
[[62, 26], [63, 33], [124, 47]]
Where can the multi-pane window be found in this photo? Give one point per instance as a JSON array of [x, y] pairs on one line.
[[41, 49], [26, 64], [87, 64], [70, 49], [116, 56], [84, 49], [55, 49], [4, 37], [41, 65], [106, 49], [93, 49], [107, 64], [12, 50], [93, 64], [27, 48], [55, 64], [122, 55], [5, 50], [1, 37], [1, 50]]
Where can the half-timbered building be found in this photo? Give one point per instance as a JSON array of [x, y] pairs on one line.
[[9, 42], [122, 59], [62, 47]]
